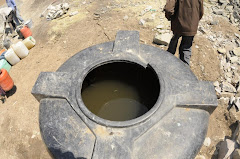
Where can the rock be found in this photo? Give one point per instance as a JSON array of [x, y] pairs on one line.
[[65, 6], [150, 19], [229, 8], [202, 30], [226, 149], [57, 11], [218, 11], [227, 87], [216, 84], [228, 75], [228, 56], [207, 142], [232, 99], [211, 38], [104, 9], [237, 94], [237, 35], [226, 66], [214, 22], [226, 95], [236, 51], [160, 26], [222, 50], [235, 21], [236, 78], [237, 103], [234, 67], [142, 22], [224, 63], [236, 132], [213, 1], [234, 59], [200, 157], [236, 15], [236, 154], [202, 68], [218, 90], [237, 2], [73, 13], [162, 39], [147, 9], [162, 31], [125, 17], [234, 115], [229, 80], [96, 15], [223, 101], [223, 6], [222, 1], [238, 89], [237, 41], [231, 19]]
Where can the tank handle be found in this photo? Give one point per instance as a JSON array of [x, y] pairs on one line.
[[126, 44], [52, 84]]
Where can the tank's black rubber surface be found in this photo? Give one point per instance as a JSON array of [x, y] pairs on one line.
[[174, 128]]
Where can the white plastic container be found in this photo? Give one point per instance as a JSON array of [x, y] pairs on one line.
[[20, 49], [29, 42], [11, 57]]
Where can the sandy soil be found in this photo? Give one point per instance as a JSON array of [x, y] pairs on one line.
[[60, 39]]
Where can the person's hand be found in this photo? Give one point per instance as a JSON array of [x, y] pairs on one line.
[[168, 16]]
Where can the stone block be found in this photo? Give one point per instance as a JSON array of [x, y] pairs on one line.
[[228, 87], [162, 39], [236, 51]]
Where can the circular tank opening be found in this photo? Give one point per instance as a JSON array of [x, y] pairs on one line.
[[120, 91]]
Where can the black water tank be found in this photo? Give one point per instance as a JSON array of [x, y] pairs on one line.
[[174, 125]]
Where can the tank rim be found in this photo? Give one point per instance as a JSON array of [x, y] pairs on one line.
[[110, 123]]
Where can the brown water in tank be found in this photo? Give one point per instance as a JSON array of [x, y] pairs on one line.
[[113, 100]]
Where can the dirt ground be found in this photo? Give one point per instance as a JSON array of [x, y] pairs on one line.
[[59, 39]]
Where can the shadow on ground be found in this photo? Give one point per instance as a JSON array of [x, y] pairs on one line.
[[9, 94]]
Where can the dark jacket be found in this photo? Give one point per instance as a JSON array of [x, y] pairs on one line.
[[184, 15]]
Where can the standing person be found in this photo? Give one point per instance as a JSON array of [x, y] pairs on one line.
[[16, 15], [184, 16], [7, 15]]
